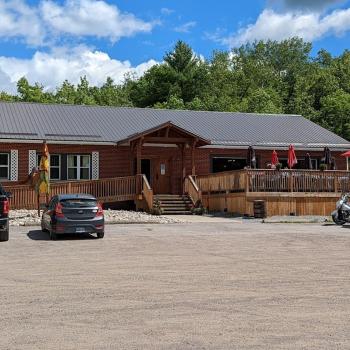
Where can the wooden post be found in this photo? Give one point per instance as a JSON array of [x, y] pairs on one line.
[[247, 180], [291, 181], [335, 182], [183, 166], [138, 165], [138, 157], [193, 166]]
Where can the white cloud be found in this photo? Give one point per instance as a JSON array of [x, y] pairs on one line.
[[278, 26], [51, 69], [49, 21], [166, 11], [91, 18], [17, 19], [186, 27]]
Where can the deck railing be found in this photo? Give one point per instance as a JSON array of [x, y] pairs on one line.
[[105, 190], [298, 181], [147, 193], [261, 180], [192, 189], [232, 181]]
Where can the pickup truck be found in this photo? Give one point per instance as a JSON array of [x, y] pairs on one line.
[[4, 215]]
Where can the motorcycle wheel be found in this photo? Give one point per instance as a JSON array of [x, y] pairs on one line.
[[336, 219]]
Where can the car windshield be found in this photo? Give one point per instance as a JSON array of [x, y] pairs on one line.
[[78, 203]]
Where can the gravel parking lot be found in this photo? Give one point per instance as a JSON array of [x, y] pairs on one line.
[[178, 286]]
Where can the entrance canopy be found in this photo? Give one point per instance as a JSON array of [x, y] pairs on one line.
[[166, 133]]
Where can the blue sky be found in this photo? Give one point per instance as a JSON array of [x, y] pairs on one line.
[[49, 41]]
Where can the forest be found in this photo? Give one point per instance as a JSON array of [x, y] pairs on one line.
[[260, 77]]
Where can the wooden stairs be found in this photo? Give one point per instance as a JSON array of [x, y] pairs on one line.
[[172, 204]]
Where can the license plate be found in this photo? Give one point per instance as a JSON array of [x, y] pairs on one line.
[[80, 229]]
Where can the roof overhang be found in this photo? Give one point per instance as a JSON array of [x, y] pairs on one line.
[[145, 135]]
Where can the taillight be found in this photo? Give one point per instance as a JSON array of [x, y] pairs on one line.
[[99, 210], [6, 207], [58, 211]]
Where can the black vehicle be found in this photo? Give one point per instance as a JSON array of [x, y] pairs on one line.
[[4, 215], [73, 213]]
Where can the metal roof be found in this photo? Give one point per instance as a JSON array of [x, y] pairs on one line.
[[73, 123]]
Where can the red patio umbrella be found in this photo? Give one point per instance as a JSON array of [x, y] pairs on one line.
[[292, 159], [274, 159], [346, 154]]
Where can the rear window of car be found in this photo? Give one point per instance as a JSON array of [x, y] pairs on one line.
[[78, 203]]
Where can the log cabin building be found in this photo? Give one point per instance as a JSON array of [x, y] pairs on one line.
[[91, 143]]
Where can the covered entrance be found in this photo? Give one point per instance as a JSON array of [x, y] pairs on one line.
[[165, 155]]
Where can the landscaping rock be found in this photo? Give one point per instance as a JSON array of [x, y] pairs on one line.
[[25, 217]]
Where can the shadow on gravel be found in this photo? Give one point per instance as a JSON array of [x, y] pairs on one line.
[[38, 235]]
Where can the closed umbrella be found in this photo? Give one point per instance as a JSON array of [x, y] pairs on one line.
[[274, 159], [308, 162], [292, 159], [327, 156], [251, 159]]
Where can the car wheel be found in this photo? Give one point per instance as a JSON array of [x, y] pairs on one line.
[[100, 234], [4, 235]]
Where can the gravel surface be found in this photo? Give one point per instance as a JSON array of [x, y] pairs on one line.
[[185, 286], [30, 218]]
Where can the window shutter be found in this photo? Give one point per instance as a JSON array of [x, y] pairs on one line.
[[14, 165], [95, 165], [31, 160]]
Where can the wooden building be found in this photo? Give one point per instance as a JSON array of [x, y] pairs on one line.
[[89, 143]]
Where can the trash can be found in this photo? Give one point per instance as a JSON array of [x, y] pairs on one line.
[[259, 209]]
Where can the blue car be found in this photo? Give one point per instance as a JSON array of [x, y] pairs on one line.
[[73, 213]]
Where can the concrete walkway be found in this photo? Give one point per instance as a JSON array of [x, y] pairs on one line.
[[205, 218]]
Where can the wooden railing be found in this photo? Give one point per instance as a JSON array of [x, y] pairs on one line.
[[147, 193], [261, 180], [191, 188], [298, 181], [105, 190], [232, 181]]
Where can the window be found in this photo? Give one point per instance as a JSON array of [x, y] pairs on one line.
[[78, 167], [228, 163], [55, 166], [4, 166]]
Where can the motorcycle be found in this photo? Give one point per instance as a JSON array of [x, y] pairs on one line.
[[341, 215]]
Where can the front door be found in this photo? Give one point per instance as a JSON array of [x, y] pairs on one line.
[[161, 176]]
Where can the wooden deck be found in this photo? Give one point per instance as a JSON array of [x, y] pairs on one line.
[[286, 192], [297, 192], [105, 190]]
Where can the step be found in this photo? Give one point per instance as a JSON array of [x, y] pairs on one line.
[[175, 209], [174, 202], [167, 204], [177, 213]]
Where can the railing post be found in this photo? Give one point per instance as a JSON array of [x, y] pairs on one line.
[[335, 182], [291, 181], [247, 180]]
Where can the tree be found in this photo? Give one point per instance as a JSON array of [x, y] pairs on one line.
[[336, 113], [84, 95], [32, 93]]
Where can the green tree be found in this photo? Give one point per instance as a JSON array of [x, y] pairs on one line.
[[84, 95], [336, 113]]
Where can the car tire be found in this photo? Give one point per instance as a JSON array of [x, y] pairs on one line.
[[100, 234], [4, 235]]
